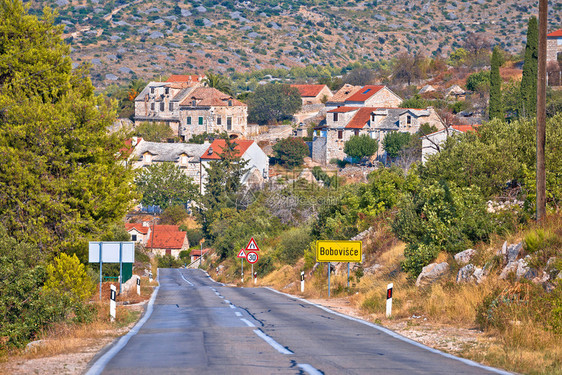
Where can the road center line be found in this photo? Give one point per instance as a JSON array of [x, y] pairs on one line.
[[281, 349], [226, 301], [232, 306], [248, 323], [184, 279], [309, 369], [238, 313]]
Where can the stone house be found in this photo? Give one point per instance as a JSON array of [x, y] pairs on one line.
[[431, 143], [313, 94], [159, 239], [554, 46], [364, 96], [189, 108], [139, 232], [258, 161], [344, 122], [187, 156]]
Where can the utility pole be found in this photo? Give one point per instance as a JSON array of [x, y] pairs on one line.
[[541, 111]]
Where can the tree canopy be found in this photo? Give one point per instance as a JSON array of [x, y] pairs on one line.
[[290, 151], [394, 142], [360, 146], [530, 70], [496, 107], [273, 102], [61, 177]]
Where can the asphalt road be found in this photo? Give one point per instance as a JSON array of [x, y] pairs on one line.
[[198, 326]]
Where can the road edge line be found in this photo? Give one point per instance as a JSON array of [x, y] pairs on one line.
[[100, 364], [397, 335]]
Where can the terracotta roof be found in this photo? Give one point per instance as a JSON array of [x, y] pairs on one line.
[[166, 240], [138, 226], [364, 93], [215, 149], [345, 92], [209, 96], [360, 119], [184, 78], [465, 128], [343, 109], [309, 90], [556, 33], [197, 252]]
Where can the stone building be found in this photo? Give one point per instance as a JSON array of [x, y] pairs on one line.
[[554, 47], [313, 94], [364, 96]]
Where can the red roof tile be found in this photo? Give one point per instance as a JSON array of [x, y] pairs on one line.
[[166, 240], [184, 78], [215, 149], [364, 93], [309, 90], [138, 226], [197, 252], [343, 109], [360, 119], [344, 93], [465, 128], [209, 96], [556, 33]]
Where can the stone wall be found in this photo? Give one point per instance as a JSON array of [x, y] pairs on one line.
[[319, 150], [553, 48]]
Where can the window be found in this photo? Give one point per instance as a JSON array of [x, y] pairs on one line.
[[188, 119], [229, 123], [194, 102], [356, 132], [366, 91], [409, 120], [230, 102], [162, 105], [340, 134], [171, 106], [152, 90], [200, 120], [133, 237], [167, 90], [335, 117], [183, 160], [219, 120], [152, 106]]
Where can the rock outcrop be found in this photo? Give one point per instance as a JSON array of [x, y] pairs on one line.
[[431, 273]]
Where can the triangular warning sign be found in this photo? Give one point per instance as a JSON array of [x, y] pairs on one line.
[[252, 245], [241, 254]]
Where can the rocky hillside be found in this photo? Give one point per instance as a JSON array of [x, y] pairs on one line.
[[146, 38]]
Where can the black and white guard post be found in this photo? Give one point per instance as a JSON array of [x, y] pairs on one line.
[[302, 281], [138, 286], [389, 299], [255, 276], [329, 273], [112, 305]]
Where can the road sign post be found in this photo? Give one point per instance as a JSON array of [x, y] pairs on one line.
[[338, 251], [111, 252], [241, 255]]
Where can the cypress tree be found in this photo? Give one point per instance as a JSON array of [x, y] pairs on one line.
[[530, 71], [496, 107]]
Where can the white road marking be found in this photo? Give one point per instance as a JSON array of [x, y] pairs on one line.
[[281, 349], [396, 335], [184, 279], [237, 313], [99, 365], [309, 369], [232, 306], [248, 323], [226, 301]]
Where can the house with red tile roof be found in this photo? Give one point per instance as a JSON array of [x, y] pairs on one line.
[[139, 232], [190, 78], [189, 108], [554, 47], [159, 239], [432, 143], [248, 150], [344, 122], [314, 94], [364, 96]]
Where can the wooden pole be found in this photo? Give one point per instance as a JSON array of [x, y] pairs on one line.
[[541, 111]]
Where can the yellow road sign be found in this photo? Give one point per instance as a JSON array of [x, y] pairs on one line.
[[338, 251]]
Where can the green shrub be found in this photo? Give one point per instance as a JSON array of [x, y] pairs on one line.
[[168, 261], [67, 276], [293, 244]]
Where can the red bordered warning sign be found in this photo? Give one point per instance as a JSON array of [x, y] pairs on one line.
[[252, 257], [252, 245], [241, 254]]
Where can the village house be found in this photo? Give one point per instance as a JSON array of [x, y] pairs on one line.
[[187, 156], [364, 96], [159, 239], [432, 143], [189, 108], [314, 94], [554, 47], [344, 122], [258, 161]]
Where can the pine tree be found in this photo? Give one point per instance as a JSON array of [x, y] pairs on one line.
[[496, 106], [62, 180], [530, 71]]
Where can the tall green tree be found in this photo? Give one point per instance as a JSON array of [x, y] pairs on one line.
[[273, 102], [164, 184], [395, 142], [496, 105], [62, 180], [360, 146], [530, 71], [290, 151]]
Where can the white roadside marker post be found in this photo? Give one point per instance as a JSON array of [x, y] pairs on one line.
[[255, 277], [150, 276], [389, 299], [138, 286], [302, 281], [112, 305]]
